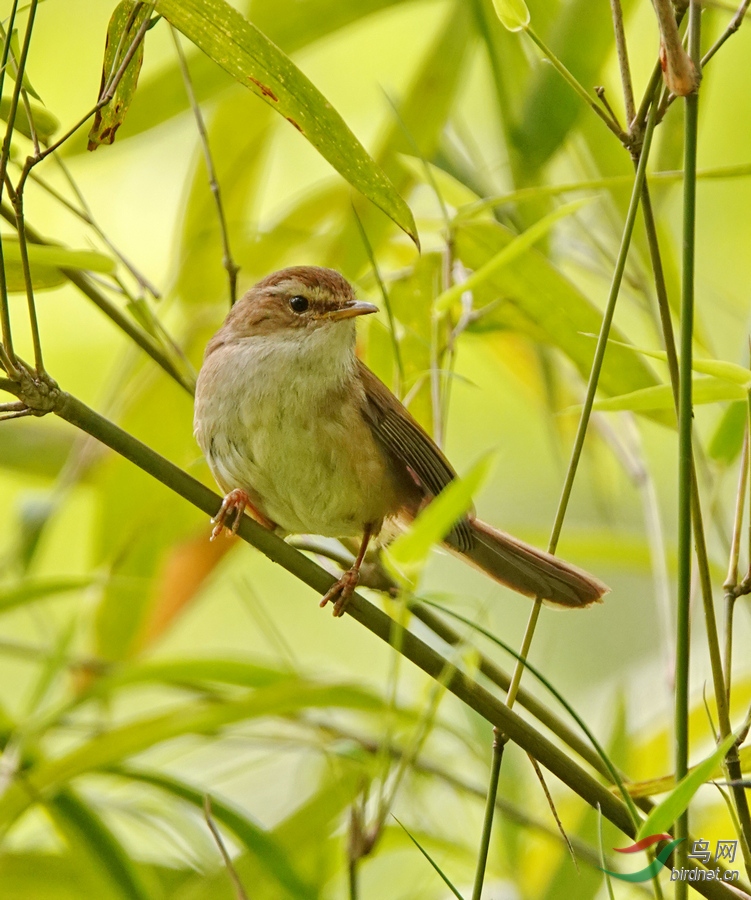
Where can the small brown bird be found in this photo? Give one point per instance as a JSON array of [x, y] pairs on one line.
[[298, 431]]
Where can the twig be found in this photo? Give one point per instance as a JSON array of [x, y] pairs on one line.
[[733, 26], [386, 303], [227, 261], [568, 77], [685, 452], [234, 877], [499, 743], [623, 64]]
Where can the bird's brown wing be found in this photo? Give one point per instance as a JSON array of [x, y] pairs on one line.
[[406, 442]]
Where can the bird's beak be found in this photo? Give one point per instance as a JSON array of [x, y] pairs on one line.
[[351, 309]]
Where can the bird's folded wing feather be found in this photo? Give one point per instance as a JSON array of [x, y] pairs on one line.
[[406, 441]]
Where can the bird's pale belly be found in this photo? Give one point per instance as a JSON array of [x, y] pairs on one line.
[[310, 464]]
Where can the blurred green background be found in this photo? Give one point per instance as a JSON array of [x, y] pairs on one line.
[[442, 96]]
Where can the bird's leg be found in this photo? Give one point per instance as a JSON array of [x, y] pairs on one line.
[[234, 504], [340, 593]]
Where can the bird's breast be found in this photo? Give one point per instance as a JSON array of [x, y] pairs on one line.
[[289, 430]]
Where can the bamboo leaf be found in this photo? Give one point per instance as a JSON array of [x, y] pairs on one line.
[[662, 817], [124, 25], [29, 590], [249, 56], [46, 262], [432, 862], [45, 124], [660, 397], [112, 747], [508, 254], [513, 14], [728, 371], [73, 813]]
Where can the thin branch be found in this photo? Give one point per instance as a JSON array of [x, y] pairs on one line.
[[227, 261], [623, 64], [685, 428], [568, 77], [733, 26], [234, 877]]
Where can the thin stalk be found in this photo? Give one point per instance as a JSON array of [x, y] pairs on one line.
[[17, 198], [228, 260], [499, 743], [733, 26], [685, 457], [8, 356], [623, 65], [731, 582], [386, 303]]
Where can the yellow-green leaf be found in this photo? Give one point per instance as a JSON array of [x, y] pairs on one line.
[[406, 556], [510, 252], [706, 390], [663, 816], [718, 367], [45, 124], [46, 262], [513, 14]]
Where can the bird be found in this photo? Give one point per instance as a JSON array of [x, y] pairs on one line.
[[300, 434]]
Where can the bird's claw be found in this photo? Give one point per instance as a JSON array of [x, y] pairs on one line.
[[341, 592], [234, 504]]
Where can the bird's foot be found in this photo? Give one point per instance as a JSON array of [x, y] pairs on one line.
[[341, 592], [234, 504]]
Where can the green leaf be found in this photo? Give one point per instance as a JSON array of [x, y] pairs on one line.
[[32, 589], [406, 556], [660, 397], [46, 262], [188, 673], [261, 844], [201, 717], [249, 56], [728, 371], [532, 297], [513, 250], [432, 862], [662, 817], [123, 27], [45, 124], [76, 815], [727, 440], [513, 14], [12, 68]]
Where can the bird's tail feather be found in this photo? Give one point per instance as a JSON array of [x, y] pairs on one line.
[[531, 571]]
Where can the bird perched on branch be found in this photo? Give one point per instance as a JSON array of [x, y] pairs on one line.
[[302, 435]]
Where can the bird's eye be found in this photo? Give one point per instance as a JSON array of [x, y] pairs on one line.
[[299, 304]]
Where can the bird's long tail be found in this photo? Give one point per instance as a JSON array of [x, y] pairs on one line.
[[530, 571]]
